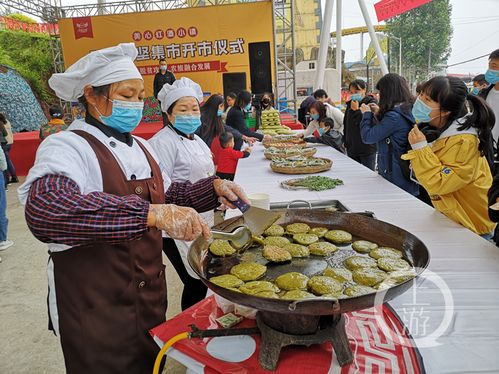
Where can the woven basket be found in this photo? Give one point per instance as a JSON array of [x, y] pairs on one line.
[[302, 169], [285, 144], [307, 152]]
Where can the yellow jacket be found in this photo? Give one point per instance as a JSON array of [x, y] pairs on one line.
[[456, 177]]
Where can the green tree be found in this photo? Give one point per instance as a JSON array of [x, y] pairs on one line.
[[426, 33], [21, 18]]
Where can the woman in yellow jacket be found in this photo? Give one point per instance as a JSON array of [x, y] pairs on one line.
[[448, 149]]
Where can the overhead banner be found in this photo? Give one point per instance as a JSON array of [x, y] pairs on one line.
[[37, 28], [200, 43], [390, 8]]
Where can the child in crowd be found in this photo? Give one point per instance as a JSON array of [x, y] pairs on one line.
[[328, 136], [56, 123], [228, 156]]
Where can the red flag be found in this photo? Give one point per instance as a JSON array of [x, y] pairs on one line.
[[83, 27], [390, 8]]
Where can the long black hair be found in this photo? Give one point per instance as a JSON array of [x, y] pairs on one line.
[[243, 99], [211, 124], [233, 96], [393, 90], [452, 95]]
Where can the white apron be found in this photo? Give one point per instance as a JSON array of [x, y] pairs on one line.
[[184, 160]]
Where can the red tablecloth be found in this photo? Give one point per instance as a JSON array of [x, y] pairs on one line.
[[26, 143]]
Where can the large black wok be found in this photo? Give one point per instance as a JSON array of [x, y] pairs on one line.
[[361, 227]]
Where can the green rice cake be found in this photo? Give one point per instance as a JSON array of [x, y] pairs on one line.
[[358, 290], [268, 295], [340, 274], [385, 252], [297, 295], [292, 281], [368, 276], [319, 231], [358, 262], [248, 271], [255, 287], [305, 239], [339, 237], [322, 248], [393, 264], [276, 254], [297, 250], [321, 285], [279, 241], [274, 230], [297, 228], [221, 248], [363, 246], [227, 281]]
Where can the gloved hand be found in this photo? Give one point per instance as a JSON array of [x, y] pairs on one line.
[[229, 191], [179, 222]]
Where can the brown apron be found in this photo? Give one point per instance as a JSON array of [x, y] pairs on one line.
[[110, 295]]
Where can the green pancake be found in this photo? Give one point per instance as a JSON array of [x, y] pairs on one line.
[[396, 277], [248, 271], [274, 230], [297, 250], [336, 295], [358, 262], [340, 274], [368, 276], [297, 228], [385, 252], [297, 295], [275, 254], [339, 237], [322, 248], [363, 246], [227, 281], [393, 264], [292, 281], [268, 295], [255, 287], [358, 290], [319, 231], [321, 285], [279, 241], [305, 239], [258, 239], [221, 248]]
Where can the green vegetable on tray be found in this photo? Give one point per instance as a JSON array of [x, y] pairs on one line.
[[314, 183]]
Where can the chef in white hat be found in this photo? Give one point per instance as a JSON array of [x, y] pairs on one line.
[[184, 157], [96, 195]]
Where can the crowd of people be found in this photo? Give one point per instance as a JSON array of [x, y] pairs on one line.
[[108, 204]]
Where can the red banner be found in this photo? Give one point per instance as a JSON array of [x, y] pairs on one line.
[[37, 28], [188, 67], [83, 27], [390, 8]]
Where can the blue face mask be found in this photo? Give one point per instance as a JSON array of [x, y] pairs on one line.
[[421, 111], [315, 117], [492, 76], [356, 97], [475, 91], [125, 117], [247, 107], [220, 112], [321, 131], [186, 123]]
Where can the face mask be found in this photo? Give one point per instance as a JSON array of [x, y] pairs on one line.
[[475, 91], [220, 112], [163, 68], [125, 117], [421, 111], [247, 107], [266, 101], [492, 76], [356, 97], [321, 131], [186, 123], [315, 117]]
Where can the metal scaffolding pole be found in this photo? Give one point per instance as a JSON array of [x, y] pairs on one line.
[[324, 44], [338, 42], [374, 38]]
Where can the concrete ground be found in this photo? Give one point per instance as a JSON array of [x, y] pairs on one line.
[[26, 345]]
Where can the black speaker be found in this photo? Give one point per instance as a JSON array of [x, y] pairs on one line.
[[234, 82], [260, 67]]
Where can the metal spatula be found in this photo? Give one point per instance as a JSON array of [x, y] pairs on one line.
[[257, 219], [240, 239]]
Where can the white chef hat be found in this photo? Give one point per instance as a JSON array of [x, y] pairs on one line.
[[98, 68], [182, 87]]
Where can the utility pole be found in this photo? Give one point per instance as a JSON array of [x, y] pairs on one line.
[[324, 44], [374, 38], [338, 42]]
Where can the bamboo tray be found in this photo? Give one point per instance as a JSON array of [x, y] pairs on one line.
[[302, 169], [285, 144], [307, 152]]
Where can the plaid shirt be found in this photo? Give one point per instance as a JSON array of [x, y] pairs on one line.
[[57, 212]]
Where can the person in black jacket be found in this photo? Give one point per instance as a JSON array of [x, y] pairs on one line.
[[236, 119], [493, 199], [328, 135], [357, 150], [161, 78]]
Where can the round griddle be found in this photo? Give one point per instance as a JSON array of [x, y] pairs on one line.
[[361, 227]]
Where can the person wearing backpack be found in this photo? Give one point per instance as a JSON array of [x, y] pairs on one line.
[[448, 151], [387, 126]]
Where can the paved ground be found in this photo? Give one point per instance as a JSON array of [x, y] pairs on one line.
[[26, 344]]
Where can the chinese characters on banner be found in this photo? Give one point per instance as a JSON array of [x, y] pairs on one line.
[[37, 28], [390, 8]]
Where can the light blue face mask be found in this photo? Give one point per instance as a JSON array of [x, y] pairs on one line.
[[421, 111], [492, 76], [125, 117], [321, 131], [220, 112], [315, 117], [356, 97], [475, 91], [248, 107], [186, 123]]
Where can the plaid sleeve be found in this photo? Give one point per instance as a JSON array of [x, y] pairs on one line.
[[57, 212], [200, 195]]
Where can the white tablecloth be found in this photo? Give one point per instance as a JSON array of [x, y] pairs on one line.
[[468, 264]]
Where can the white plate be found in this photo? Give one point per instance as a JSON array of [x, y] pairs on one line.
[[232, 348]]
